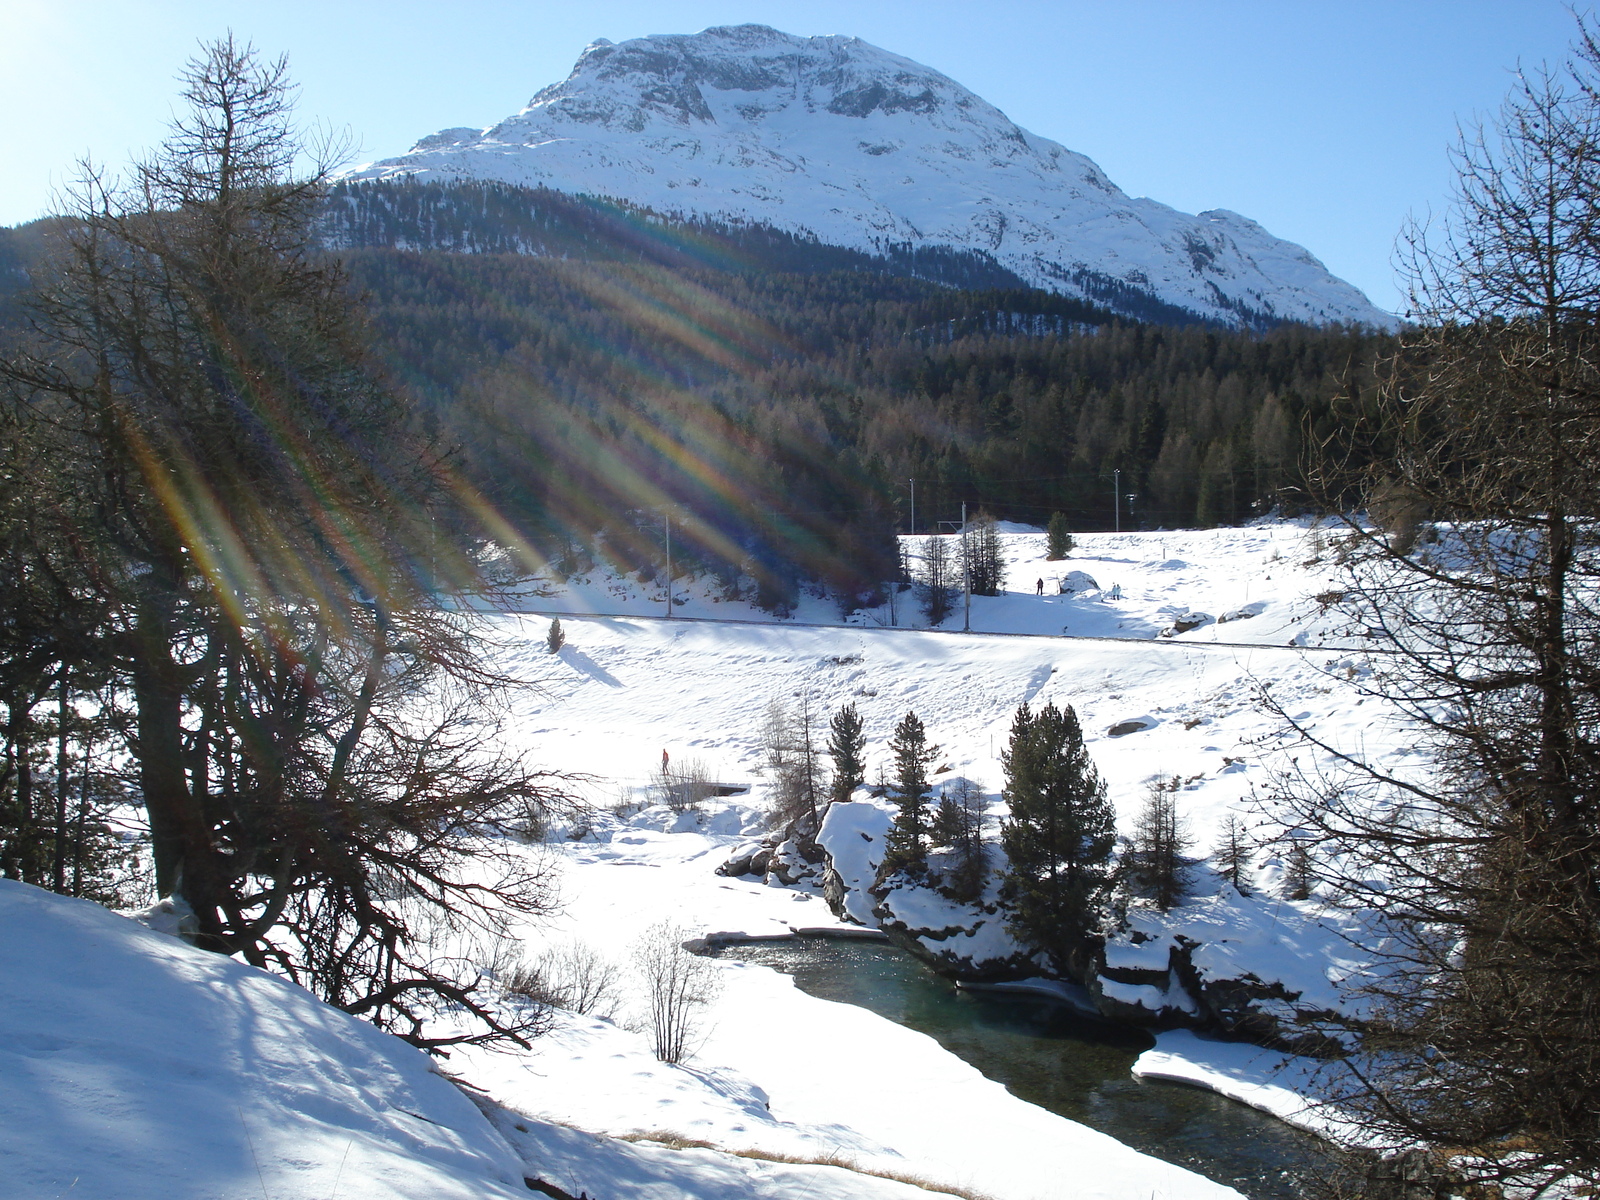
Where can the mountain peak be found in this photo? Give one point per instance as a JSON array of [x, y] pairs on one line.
[[839, 139]]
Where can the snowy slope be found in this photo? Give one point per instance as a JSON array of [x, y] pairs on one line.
[[833, 137], [143, 1068], [623, 690], [777, 1070], [1187, 705], [135, 1066]]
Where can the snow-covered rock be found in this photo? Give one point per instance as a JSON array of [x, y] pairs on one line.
[[833, 137], [853, 835], [966, 942]]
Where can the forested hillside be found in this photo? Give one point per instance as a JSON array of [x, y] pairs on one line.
[[599, 367], [787, 410]]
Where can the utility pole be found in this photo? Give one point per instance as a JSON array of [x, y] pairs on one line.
[[966, 570], [1116, 500], [667, 516], [913, 484]]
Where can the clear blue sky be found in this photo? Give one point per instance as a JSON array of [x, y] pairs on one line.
[[1325, 120]]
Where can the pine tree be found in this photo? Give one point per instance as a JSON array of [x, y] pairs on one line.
[[1058, 838], [556, 638], [847, 746], [1058, 538], [908, 838]]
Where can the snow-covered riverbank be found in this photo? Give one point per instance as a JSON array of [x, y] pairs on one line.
[[291, 1114]]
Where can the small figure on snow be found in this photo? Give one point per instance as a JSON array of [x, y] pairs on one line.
[[1116, 591], [1038, 588], [664, 761]]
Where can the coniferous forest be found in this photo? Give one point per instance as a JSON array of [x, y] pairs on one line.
[[597, 365], [599, 370]]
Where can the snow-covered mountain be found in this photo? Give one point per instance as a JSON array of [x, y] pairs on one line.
[[863, 148]]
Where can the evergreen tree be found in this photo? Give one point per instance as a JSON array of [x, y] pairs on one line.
[[1058, 838], [556, 638], [1058, 538], [847, 746], [908, 838], [984, 561]]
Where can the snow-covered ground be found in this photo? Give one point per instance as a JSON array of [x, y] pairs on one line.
[[129, 1057], [136, 1066], [628, 686], [780, 1071]]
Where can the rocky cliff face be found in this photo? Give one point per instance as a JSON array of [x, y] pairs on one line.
[[838, 139]]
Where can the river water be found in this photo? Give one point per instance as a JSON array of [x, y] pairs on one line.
[[1075, 1066]]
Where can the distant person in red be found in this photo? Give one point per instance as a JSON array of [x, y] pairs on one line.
[[663, 762]]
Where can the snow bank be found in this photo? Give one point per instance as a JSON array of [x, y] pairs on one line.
[[779, 1071], [140, 1068], [136, 1066], [1275, 1083]]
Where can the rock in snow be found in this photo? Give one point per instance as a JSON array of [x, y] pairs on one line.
[[833, 137]]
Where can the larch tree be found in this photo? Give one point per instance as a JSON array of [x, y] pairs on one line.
[[1480, 1026], [983, 560], [308, 732], [1157, 861], [936, 584], [1231, 856], [958, 826]]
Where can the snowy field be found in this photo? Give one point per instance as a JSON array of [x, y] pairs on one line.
[[143, 1068]]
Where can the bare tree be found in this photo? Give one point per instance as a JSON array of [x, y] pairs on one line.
[[983, 556], [792, 752], [958, 825], [678, 985], [937, 582], [1157, 861], [311, 736], [684, 784], [575, 976], [1481, 1030], [1233, 853]]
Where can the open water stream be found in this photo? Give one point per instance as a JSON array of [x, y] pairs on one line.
[[1049, 1055]]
